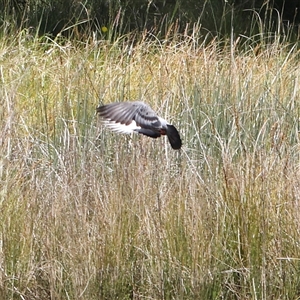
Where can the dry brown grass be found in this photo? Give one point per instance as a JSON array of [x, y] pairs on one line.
[[88, 214]]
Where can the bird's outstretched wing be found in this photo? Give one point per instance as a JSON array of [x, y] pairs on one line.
[[128, 117], [134, 115]]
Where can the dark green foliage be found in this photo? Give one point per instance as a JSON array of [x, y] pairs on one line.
[[220, 18]]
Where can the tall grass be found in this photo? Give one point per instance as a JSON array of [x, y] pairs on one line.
[[88, 214]]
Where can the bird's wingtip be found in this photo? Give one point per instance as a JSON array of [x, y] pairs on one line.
[[174, 137]]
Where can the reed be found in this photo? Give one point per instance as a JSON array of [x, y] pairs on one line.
[[88, 214]]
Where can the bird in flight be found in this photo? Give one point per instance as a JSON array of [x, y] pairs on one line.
[[128, 117]]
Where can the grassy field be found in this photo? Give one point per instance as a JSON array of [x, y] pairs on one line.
[[89, 214]]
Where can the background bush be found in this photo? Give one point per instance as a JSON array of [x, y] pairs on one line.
[[218, 17]]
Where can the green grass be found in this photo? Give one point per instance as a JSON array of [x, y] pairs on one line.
[[89, 214]]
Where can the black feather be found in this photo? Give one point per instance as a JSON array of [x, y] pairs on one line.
[[174, 137]]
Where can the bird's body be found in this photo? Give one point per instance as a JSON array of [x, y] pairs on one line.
[[128, 117]]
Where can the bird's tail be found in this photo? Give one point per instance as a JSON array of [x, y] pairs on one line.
[[174, 137]]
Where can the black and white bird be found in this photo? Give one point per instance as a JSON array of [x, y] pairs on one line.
[[129, 117]]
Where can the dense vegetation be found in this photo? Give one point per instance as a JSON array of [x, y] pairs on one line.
[[89, 214], [216, 17]]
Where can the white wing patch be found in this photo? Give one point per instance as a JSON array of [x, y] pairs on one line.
[[122, 128]]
